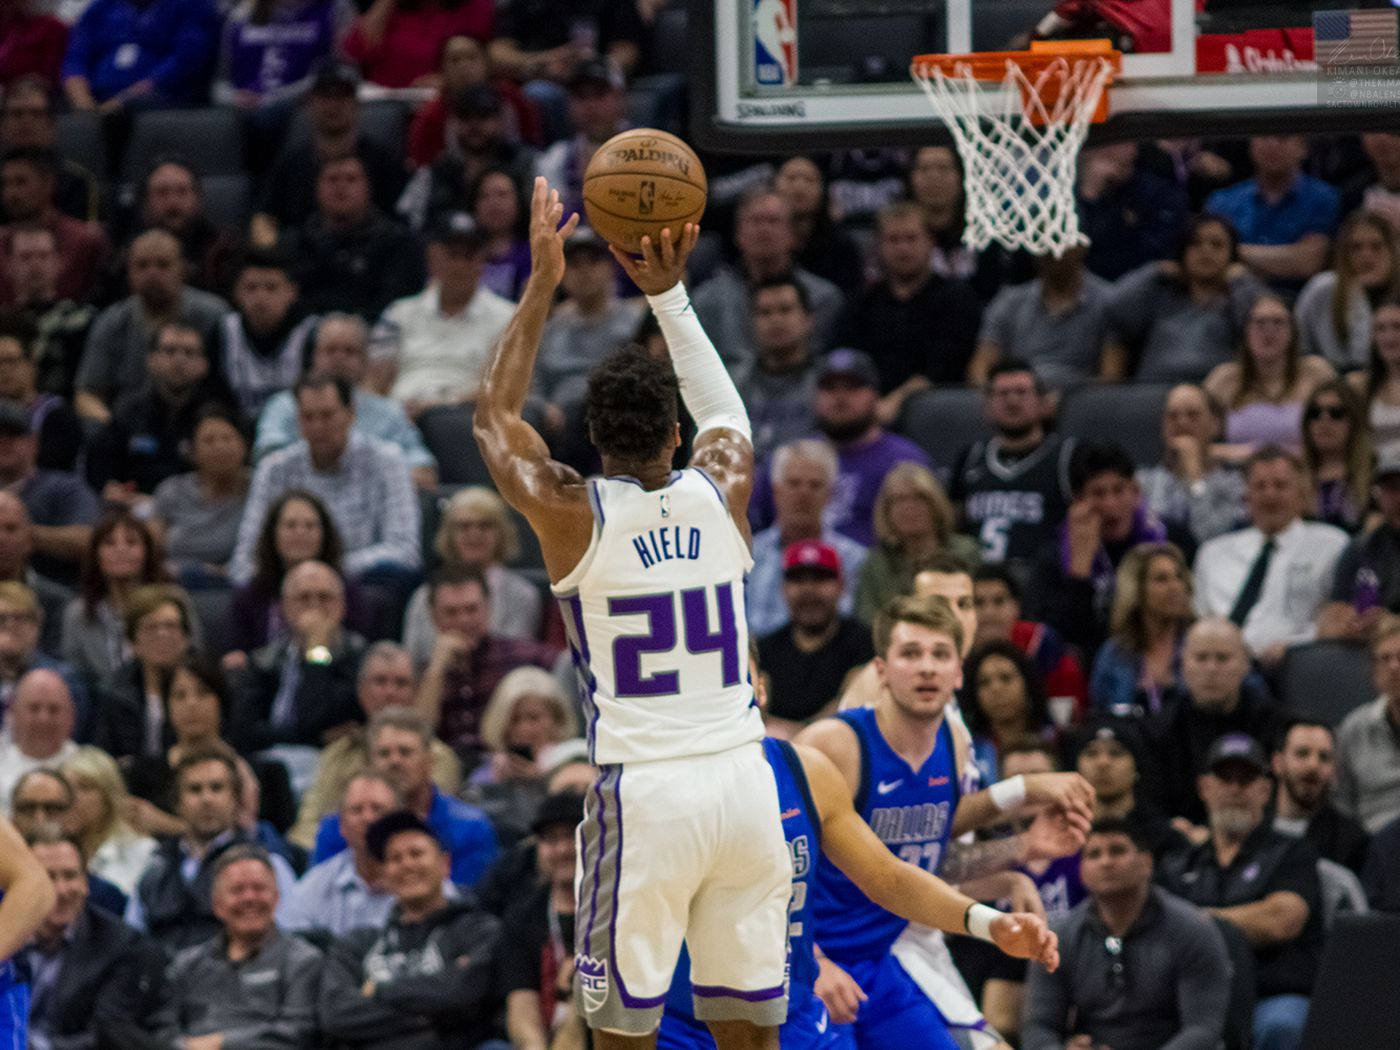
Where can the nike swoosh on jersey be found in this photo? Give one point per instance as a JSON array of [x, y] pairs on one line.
[[886, 786]]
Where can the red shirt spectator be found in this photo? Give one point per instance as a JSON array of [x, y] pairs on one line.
[[28, 178], [462, 65], [397, 43], [30, 43]]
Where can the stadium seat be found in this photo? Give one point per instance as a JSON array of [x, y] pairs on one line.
[[447, 431], [670, 50], [944, 422], [1326, 680], [1239, 1011], [209, 140], [1342, 892], [383, 120], [228, 201], [1129, 414], [80, 140], [1353, 999]]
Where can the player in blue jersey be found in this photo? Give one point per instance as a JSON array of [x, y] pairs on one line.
[[901, 767], [818, 819], [26, 896]]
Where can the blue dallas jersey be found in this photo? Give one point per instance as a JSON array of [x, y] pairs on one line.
[[802, 828], [911, 812], [14, 1006]]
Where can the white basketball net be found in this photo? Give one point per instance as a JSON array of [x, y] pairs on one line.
[[1019, 151]]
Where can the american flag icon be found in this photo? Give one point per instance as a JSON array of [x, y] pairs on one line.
[[1355, 38]]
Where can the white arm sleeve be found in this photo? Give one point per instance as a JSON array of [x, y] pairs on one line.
[[706, 388]]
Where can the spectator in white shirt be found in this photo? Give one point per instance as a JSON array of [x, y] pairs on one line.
[[431, 348], [39, 730], [344, 892], [1272, 578]]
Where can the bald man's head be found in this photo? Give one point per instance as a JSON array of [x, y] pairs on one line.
[[313, 591], [1214, 663], [41, 714]]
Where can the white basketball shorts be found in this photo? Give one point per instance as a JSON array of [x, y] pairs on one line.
[[687, 849]]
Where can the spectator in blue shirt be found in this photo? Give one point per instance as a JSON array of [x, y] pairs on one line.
[[140, 52], [1285, 219], [400, 750]]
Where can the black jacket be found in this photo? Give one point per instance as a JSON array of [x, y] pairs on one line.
[[179, 913], [358, 271], [1183, 732], [434, 982], [119, 719], [325, 696], [102, 982]]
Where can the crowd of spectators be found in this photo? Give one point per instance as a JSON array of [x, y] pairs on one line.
[[293, 726]]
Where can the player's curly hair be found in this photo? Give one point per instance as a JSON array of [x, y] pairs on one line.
[[631, 407]]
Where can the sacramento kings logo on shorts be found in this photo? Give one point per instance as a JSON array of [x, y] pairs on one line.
[[593, 979]]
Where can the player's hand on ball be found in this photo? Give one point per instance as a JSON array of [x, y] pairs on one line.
[[547, 235], [839, 991], [661, 266], [1027, 937]]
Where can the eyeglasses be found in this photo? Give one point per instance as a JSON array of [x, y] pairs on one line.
[[1333, 412], [11, 620], [28, 808], [1117, 969]]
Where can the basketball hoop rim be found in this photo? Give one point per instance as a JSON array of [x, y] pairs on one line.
[[990, 66], [1034, 72]]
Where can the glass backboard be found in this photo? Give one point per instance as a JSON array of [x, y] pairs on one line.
[[779, 74]]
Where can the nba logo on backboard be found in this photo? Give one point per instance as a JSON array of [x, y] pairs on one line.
[[775, 42]]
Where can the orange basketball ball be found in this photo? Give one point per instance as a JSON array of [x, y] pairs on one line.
[[640, 181]]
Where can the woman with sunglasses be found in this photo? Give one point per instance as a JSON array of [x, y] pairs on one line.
[[1337, 450]]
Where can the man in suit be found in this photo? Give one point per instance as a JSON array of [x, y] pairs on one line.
[[89, 970]]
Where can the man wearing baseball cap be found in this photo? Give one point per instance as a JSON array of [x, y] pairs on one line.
[[597, 111], [427, 977], [808, 659], [1261, 881], [1109, 753], [538, 942], [847, 413], [1367, 579]]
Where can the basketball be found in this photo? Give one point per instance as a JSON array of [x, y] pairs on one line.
[[639, 182]]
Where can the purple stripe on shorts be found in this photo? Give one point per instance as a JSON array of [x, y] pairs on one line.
[[718, 991], [597, 863], [629, 1000]]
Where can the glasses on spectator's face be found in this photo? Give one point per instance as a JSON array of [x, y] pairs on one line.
[[11, 620], [1334, 412], [35, 807], [1117, 970]]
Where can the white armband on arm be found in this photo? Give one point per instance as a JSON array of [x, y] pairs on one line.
[[706, 388]]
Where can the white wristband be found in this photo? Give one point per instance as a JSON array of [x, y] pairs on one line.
[[979, 922], [1008, 794]]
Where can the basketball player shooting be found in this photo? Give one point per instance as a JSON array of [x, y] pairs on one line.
[[27, 897], [681, 838]]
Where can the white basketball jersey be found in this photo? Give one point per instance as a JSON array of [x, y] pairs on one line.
[[656, 621]]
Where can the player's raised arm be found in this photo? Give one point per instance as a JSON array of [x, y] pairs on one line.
[[27, 889], [723, 445], [904, 889], [550, 495]]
